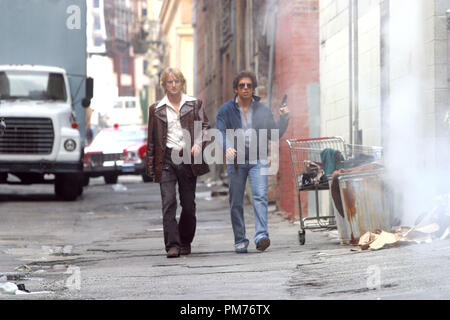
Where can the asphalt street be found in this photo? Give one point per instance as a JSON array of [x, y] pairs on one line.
[[109, 245]]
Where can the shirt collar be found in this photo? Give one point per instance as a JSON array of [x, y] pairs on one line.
[[254, 99], [184, 98]]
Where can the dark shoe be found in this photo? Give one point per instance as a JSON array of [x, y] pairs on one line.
[[185, 249], [263, 244], [173, 253]]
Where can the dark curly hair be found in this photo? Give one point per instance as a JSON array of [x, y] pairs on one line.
[[245, 74]]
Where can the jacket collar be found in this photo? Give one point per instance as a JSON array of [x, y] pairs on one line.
[[254, 99], [165, 101]]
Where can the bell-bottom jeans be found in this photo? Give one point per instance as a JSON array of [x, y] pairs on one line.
[[258, 178]]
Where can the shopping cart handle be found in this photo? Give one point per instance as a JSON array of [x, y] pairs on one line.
[[310, 139]]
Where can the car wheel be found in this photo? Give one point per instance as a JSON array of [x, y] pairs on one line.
[[110, 178]]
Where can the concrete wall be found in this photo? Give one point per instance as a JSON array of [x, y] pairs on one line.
[[417, 47], [335, 69], [403, 89]]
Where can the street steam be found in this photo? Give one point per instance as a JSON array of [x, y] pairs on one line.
[[412, 159]]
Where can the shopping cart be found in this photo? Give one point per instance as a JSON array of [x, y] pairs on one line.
[[312, 171]]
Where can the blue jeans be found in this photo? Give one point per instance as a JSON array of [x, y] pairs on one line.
[[259, 183]]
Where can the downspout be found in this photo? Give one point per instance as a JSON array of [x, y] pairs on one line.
[[272, 53], [350, 70], [385, 70], [445, 133], [447, 115], [194, 26], [233, 28], [357, 135]]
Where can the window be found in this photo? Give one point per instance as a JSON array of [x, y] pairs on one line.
[[124, 65], [98, 41], [130, 104], [32, 86], [145, 66], [97, 23]]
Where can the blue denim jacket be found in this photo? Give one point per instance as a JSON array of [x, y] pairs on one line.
[[229, 117]]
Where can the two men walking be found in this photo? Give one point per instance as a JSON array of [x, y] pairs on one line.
[[176, 113]]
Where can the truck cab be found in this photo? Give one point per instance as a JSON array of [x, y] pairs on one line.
[[41, 142]]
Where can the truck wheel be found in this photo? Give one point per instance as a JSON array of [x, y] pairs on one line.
[[110, 178], [86, 179], [68, 186]]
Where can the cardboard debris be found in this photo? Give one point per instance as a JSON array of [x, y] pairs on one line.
[[376, 241], [384, 238], [434, 225], [431, 228]]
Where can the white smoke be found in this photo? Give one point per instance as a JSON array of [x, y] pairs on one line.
[[412, 159]]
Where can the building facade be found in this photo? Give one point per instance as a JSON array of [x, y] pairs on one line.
[[278, 40], [368, 71], [122, 53], [384, 70], [177, 39]]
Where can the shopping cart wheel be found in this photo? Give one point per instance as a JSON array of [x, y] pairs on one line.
[[301, 237]]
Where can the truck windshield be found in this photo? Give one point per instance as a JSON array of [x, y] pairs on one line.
[[32, 86]]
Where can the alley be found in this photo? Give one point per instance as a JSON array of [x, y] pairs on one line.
[[108, 245]]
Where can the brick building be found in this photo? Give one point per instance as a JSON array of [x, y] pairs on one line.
[[279, 41], [297, 74]]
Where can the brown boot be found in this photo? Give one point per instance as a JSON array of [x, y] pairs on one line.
[[173, 252], [185, 249]]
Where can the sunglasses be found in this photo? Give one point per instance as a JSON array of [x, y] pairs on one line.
[[243, 85]]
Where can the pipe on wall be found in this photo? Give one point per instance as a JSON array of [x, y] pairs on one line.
[[194, 25], [357, 135], [272, 53], [384, 70], [350, 70]]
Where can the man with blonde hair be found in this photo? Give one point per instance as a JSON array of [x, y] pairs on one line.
[[168, 121]]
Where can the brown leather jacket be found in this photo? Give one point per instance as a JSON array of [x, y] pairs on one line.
[[190, 111]]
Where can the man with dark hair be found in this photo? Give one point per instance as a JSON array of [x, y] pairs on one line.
[[246, 112], [167, 120]]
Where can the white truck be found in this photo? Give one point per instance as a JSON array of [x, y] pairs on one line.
[[124, 111], [43, 93]]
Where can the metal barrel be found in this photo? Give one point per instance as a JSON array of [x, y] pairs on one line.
[[365, 205]]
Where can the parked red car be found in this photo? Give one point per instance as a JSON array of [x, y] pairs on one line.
[[133, 160], [116, 151]]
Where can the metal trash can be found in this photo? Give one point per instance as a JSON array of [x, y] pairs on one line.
[[365, 205]]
